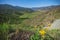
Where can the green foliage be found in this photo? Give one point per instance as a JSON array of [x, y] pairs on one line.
[[3, 31], [35, 37]]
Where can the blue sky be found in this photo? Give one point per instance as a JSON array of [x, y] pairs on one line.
[[31, 3]]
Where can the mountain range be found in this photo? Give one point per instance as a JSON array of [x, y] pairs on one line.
[[28, 16]]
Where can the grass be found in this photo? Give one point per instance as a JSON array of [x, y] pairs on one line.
[[6, 29], [30, 15]]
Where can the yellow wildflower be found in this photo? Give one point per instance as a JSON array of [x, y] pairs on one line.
[[42, 33]]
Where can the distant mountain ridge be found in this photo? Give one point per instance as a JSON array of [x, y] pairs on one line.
[[17, 8], [46, 8]]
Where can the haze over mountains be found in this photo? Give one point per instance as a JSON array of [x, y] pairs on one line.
[[27, 9], [46, 7], [17, 8]]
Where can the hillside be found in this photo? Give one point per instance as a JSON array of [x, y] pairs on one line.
[[20, 23], [33, 16], [42, 16], [11, 13], [15, 8]]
